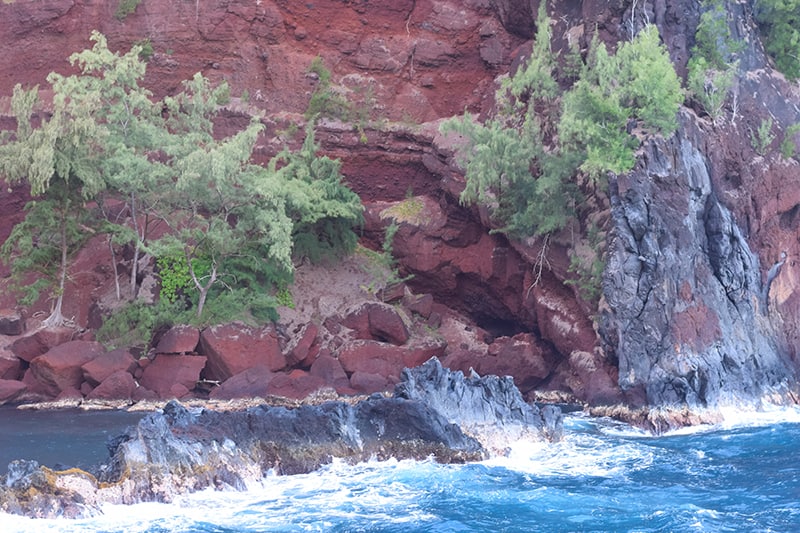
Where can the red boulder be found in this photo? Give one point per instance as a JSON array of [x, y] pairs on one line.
[[330, 370], [251, 383], [180, 339], [10, 390], [11, 322], [299, 352], [31, 346], [233, 348], [296, 385], [522, 357], [367, 383], [167, 371], [10, 366], [377, 321], [371, 357], [117, 386], [98, 369], [60, 368]]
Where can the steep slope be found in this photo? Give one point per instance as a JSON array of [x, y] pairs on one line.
[[687, 317]]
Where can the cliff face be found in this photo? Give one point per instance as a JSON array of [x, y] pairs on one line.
[[693, 229]]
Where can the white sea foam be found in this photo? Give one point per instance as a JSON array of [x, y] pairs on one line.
[[368, 492], [577, 454]]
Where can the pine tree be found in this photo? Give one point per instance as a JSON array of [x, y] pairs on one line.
[[59, 161]]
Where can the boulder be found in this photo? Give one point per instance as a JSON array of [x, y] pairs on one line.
[[61, 367], [98, 369], [10, 366], [233, 348], [330, 370], [181, 339], [377, 321], [10, 390], [523, 357], [40, 341], [299, 350], [118, 386], [250, 383], [36, 391], [593, 379], [371, 357], [166, 371], [11, 322], [421, 304], [366, 383], [296, 385], [386, 324]]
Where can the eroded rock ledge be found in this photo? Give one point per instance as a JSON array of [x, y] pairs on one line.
[[434, 412]]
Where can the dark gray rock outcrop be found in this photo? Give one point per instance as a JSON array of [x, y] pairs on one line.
[[491, 408], [178, 450], [685, 315]]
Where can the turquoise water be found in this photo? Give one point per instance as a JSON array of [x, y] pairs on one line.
[[604, 476]]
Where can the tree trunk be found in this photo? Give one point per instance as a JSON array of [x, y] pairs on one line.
[[201, 300], [135, 263], [56, 317]]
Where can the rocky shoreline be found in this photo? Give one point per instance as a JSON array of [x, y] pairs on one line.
[[434, 412]]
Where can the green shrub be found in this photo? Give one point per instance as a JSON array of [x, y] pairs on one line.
[[134, 325], [789, 145], [762, 137], [125, 8], [779, 23], [712, 67]]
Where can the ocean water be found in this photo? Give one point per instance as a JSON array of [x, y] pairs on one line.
[[605, 476]]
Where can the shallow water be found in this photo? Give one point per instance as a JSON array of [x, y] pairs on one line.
[[604, 476], [59, 438]]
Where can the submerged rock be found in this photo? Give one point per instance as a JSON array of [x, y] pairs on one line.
[[434, 413]]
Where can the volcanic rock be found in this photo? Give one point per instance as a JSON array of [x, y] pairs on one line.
[[61, 367], [11, 323], [98, 369], [38, 342], [166, 372], [233, 348], [178, 450], [180, 339], [10, 390], [118, 386], [250, 383]]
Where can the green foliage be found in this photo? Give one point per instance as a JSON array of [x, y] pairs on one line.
[[762, 138], [173, 271], [710, 86], [145, 49], [588, 266], [712, 67], [228, 225], [779, 23], [535, 79], [125, 8], [35, 245], [134, 325], [382, 266], [713, 39], [648, 84], [324, 100], [323, 210], [284, 297], [789, 144], [639, 83]]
